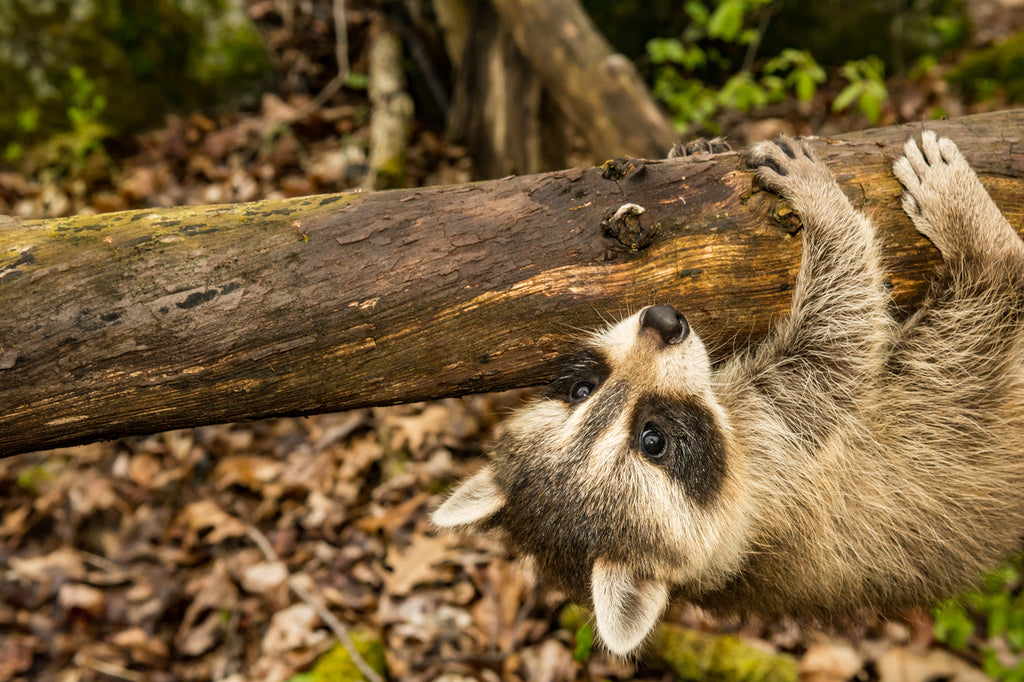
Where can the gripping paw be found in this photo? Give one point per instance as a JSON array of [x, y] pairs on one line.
[[701, 145], [789, 167], [946, 201]]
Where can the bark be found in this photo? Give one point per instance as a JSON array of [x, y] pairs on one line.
[[529, 70], [598, 90], [142, 321], [496, 105], [392, 115]]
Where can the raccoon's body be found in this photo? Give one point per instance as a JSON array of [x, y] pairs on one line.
[[848, 460]]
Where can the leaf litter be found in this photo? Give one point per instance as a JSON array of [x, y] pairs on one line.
[[141, 559]]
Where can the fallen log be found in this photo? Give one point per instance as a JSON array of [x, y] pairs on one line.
[[142, 321]]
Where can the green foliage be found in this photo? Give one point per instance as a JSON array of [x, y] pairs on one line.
[[694, 655], [578, 620], [584, 643], [992, 617], [898, 32], [32, 479], [357, 81], [85, 115], [866, 87], [337, 666], [684, 76], [998, 69], [799, 72], [87, 69]]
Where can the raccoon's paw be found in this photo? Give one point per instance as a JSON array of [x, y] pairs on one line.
[[946, 201], [701, 145], [789, 167]]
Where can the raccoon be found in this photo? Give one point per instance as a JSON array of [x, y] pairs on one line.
[[849, 460]]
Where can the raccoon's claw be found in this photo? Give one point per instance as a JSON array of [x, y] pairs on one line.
[[701, 145], [947, 203], [790, 168]]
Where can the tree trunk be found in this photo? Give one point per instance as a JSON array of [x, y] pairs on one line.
[[496, 105], [598, 90], [392, 115], [530, 67], [142, 321]]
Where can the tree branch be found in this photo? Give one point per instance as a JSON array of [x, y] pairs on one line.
[[142, 321]]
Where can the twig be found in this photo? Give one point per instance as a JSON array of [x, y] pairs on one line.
[[762, 28], [340, 55], [339, 629], [109, 669]]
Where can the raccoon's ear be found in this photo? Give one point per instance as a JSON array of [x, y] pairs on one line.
[[626, 607], [473, 501]]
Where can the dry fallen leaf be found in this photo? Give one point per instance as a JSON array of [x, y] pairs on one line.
[[83, 597], [830, 661], [415, 565], [207, 514], [141, 646], [16, 654], [901, 664], [247, 471], [267, 578], [213, 593], [292, 628], [392, 518], [60, 565]]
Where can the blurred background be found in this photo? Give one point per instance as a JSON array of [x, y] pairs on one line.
[[176, 556]]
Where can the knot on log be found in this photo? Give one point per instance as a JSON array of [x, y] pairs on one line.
[[631, 226], [616, 169]]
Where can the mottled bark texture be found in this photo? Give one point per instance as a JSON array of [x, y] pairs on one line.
[[597, 89], [141, 321], [530, 69]]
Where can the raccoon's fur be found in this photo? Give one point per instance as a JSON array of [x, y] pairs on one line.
[[849, 460]]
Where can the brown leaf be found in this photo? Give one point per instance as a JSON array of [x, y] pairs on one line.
[[199, 639], [213, 592], [61, 565], [90, 491], [143, 469], [907, 665], [83, 597], [141, 647], [292, 628], [16, 653], [246, 471], [267, 578], [830, 661], [415, 565], [393, 518], [206, 514]]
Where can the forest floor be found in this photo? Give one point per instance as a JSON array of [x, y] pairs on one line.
[[143, 559]]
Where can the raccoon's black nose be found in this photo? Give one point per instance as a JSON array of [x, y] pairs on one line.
[[670, 325]]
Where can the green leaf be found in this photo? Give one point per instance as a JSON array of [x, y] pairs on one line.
[[28, 120], [952, 625], [726, 21], [804, 86], [698, 12], [662, 50], [846, 97], [13, 152], [742, 93], [357, 81], [584, 643]]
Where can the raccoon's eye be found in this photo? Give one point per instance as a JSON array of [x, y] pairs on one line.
[[580, 391], [652, 441]]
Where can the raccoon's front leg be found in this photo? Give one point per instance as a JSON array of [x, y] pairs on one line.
[[949, 205], [836, 330]]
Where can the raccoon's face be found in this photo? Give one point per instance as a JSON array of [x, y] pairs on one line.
[[620, 481]]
